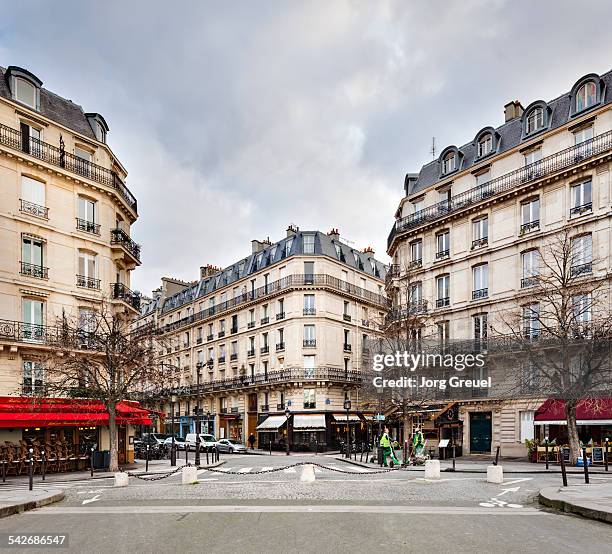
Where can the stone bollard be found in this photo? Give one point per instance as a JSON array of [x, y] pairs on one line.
[[189, 475], [308, 474], [495, 474], [121, 479], [432, 469]]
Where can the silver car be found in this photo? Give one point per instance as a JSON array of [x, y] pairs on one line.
[[230, 445]]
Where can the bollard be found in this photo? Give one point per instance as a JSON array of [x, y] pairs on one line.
[[91, 461], [207, 449], [454, 453], [432, 469], [308, 474], [495, 474], [189, 475], [546, 453], [606, 454], [187, 455], [121, 479], [31, 469], [563, 471], [496, 456], [147, 459], [4, 470], [585, 463], [270, 447], [43, 461]]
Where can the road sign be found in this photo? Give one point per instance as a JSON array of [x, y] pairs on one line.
[[379, 417]]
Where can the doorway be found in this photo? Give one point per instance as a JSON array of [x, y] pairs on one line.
[[481, 430]]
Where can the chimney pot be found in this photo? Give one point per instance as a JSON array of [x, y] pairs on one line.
[[512, 110]]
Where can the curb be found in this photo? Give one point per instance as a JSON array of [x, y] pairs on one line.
[[551, 497], [13, 509]]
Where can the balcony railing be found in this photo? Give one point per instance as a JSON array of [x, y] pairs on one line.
[[87, 282], [310, 343], [527, 282], [265, 320], [250, 325], [412, 310], [346, 317], [17, 331], [280, 316], [210, 337], [443, 302], [530, 226], [234, 330], [120, 292], [291, 281], [264, 408], [579, 210], [346, 347], [310, 405], [480, 293], [280, 346], [442, 254], [416, 264], [479, 243], [33, 270], [251, 353], [221, 334], [233, 357], [120, 237], [546, 166], [33, 209], [310, 311], [392, 272], [265, 349], [582, 269], [221, 359], [13, 138], [87, 226], [280, 406]]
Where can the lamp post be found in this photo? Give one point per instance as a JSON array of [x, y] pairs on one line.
[[347, 407], [287, 414], [197, 421], [173, 446]]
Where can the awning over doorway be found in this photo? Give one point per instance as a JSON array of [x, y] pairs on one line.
[[310, 422], [588, 412], [272, 423], [62, 412], [341, 418]]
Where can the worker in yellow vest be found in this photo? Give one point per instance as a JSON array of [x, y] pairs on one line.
[[387, 450]]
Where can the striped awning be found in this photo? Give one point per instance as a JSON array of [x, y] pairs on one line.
[[310, 422], [341, 418], [272, 423]]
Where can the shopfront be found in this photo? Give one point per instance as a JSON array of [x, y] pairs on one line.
[[357, 429], [272, 432], [308, 432]]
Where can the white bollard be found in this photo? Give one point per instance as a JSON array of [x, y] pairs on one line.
[[189, 475], [121, 479], [432, 469], [495, 474], [308, 474]]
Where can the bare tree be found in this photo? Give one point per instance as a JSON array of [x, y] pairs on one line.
[[562, 328], [99, 356]]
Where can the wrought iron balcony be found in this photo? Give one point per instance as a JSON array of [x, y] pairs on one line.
[[479, 243], [221, 359], [33, 209], [527, 282], [280, 316], [265, 320], [346, 317], [416, 264], [59, 157], [546, 166], [199, 340], [280, 406], [265, 349], [346, 347], [280, 346], [310, 311], [223, 410], [413, 309], [87, 226], [33, 270], [480, 293], [579, 210], [392, 272], [233, 357], [120, 292], [210, 337], [251, 353], [582, 269], [17, 331], [442, 254], [530, 226], [443, 302], [250, 325], [310, 343], [234, 330], [87, 282], [120, 237], [221, 334], [310, 405]]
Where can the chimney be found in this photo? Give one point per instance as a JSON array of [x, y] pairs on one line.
[[334, 234], [368, 250], [512, 110], [207, 270], [292, 230], [257, 246]]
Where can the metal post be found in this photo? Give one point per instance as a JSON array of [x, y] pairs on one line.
[[91, 460], [606, 454], [546, 452], [496, 456], [43, 464], [147, 459], [586, 465], [563, 471], [172, 446], [348, 437], [454, 453], [270, 444], [197, 422], [207, 449], [287, 414], [4, 469], [187, 454], [31, 469]]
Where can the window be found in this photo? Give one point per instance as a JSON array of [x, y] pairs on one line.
[[530, 262], [483, 178], [309, 244], [308, 273], [281, 339], [485, 145], [449, 163], [480, 275], [309, 398], [32, 257], [582, 255], [416, 293], [530, 215], [309, 335], [346, 311], [416, 253], [32, 377], [33, 196], [418, 204], [87, 215], [581, 307], [339, 253], [26, 93], [445, 196], [581, 198], [288, 245], [442, 244], [586, 96], [535, 120], [533, 156], [583, 135], [480, 327], [531, 321], [309, 304], [443, 291], [88, 272], [309, 365], [480, 232], [443, 328], [33, 318], [527, 426]]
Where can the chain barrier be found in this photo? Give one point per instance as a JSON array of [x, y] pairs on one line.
[[159, 477], [272, 470]]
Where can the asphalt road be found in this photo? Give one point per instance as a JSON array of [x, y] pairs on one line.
[[358, 511]]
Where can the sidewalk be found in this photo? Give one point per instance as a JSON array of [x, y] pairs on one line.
[[592, 501], [14, 502]]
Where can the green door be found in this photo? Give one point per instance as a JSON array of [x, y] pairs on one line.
[[480, 432]]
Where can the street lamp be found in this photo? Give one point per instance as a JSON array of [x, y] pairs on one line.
[[347, 407], [173, 399], [287, 414], [197, 421]]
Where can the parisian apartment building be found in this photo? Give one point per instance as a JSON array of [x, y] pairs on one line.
[[65, 248], [271, 345], [469, 232]]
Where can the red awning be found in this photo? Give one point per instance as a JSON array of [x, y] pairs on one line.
[[588, 412], [61, 412]]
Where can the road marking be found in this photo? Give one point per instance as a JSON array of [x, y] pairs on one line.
[[90, 500], [245, 470], [514, 481], [367, 509], [506, 491], [89, 492], [495, 503], [289, 470]]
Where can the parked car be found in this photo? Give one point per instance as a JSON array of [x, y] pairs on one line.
[[206, 441], [179, 443], [230, 445]]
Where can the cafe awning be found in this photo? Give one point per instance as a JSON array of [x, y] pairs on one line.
[[310, 422], [341, 418], [596, 411], [272, 423]]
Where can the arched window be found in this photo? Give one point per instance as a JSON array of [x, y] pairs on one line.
[[534, 120], [449, 163], [485, 145], [586, 96]]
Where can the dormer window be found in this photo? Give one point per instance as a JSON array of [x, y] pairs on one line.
[[25, 92], [449, 163], [98, 125], [25, 87], [534, 120], [586, 96], [485, 145]]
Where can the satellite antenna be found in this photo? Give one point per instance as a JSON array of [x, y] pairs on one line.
[[433, 147]]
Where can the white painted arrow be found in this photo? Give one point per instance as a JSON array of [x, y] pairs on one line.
[[88, 492], [515, 481], [90, 500], [506, 491]]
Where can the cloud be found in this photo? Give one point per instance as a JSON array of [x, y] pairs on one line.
[[236, 119]]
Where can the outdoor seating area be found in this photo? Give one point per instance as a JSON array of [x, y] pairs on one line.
[[595, 453], [49, 457]]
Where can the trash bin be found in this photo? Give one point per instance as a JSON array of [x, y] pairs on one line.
[[101, 459]]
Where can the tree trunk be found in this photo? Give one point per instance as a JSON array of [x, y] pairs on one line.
[[572, 431], [112, 431], [407, 430]]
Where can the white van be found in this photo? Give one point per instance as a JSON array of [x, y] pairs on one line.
[[205, 441]]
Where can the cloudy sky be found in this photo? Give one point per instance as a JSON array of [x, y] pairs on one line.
[[235, 119]]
